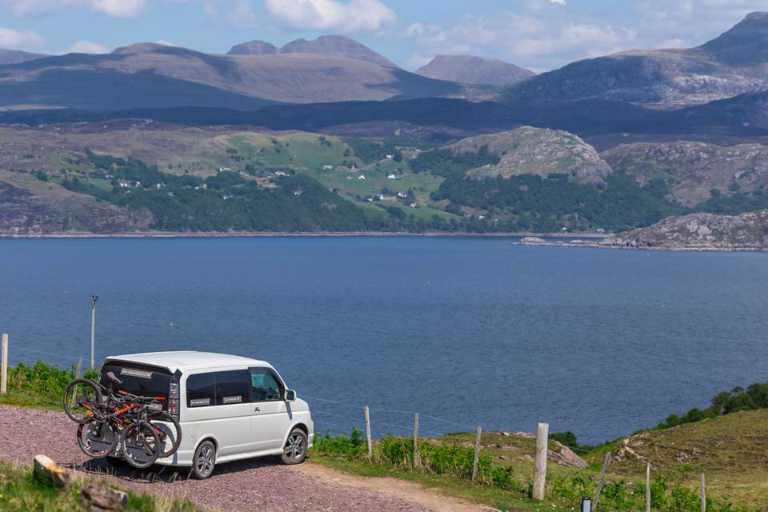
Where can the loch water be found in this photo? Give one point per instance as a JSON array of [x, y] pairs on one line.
[[465, 331]]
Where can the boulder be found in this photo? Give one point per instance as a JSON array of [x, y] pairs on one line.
[[47, 471], [98, 497]]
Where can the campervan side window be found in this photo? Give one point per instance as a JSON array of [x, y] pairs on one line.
[[218, 388]]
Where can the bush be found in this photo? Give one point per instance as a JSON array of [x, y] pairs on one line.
[[40, 384], [726, 402], [347, 446]]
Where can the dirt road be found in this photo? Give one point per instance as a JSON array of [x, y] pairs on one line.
[[259, 485]]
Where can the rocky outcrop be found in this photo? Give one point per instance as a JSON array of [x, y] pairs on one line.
[[537, 151], [337, 46], [700, 231], [55, 210], [469, 69], [694, 169], [253, 48]]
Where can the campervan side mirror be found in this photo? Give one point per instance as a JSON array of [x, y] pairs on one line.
[[290, 395]]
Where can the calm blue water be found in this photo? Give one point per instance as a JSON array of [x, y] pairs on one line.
[[470, 331]]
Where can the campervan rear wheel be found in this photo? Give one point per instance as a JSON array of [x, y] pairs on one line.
[[204, 460], [295, 450]]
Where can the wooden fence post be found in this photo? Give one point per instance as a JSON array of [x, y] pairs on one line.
[[4, 368], [476, 462], [416, 456], [601, 481], [703, 493], [78, 368], [540, 468], [367, 414], [647, 488]]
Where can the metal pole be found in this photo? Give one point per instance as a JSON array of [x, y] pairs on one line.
[[94, 298]]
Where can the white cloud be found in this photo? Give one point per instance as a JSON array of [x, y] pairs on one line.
[[87, 47], [116, 8], [119, 8], [343, 16], [536, 40], [693, 21], [237, 13], [20, 40], [541, 35]]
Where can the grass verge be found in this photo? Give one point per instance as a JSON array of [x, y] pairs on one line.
[[504, 481], [21, 492]]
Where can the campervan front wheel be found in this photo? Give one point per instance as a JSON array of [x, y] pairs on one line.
[[295, 450]]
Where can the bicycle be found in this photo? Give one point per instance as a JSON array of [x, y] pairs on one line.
[[107, 419]]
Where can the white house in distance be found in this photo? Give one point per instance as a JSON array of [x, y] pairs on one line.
[[362, 177], [392, 177]]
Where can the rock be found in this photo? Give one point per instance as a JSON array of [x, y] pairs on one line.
[[564, 456], [700, 231], [532, 240], [47, 471], [99, 497]]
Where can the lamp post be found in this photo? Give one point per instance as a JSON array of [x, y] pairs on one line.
[[93, 300]]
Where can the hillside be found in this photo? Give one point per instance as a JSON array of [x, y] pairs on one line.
[[695, 171], [700, 231], [730, 450], [83, 177], [151, 75], [735, 63], [537, 152], [468, 69]]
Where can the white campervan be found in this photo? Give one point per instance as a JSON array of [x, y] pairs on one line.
[[229, 407]]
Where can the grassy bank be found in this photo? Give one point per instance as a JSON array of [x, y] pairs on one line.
[[39, 385], [21, 492], [505, 474]]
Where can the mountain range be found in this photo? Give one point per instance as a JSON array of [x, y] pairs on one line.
[[338, 69]]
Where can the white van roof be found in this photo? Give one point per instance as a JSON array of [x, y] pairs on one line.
[[183, 360]]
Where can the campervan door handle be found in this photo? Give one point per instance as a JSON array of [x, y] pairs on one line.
[[256, 409]]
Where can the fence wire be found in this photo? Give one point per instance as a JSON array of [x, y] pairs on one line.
[[341, 417]]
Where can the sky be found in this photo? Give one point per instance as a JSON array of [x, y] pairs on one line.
[[537, 34]]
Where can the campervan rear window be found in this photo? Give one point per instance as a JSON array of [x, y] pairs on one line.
[[139, 380]]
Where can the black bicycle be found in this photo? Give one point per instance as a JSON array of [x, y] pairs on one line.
[[110, 420]]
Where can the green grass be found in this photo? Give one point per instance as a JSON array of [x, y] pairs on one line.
[[506, 471], [40, 385], [21, 492]]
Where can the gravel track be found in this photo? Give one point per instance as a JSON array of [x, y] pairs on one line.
[[258, 485]]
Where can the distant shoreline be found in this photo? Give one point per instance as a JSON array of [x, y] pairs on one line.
[[572, 240], [299, 234]]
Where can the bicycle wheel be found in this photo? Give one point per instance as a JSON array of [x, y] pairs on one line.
[[141, 445], [97, 438], [82, 398], [168, 431]]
